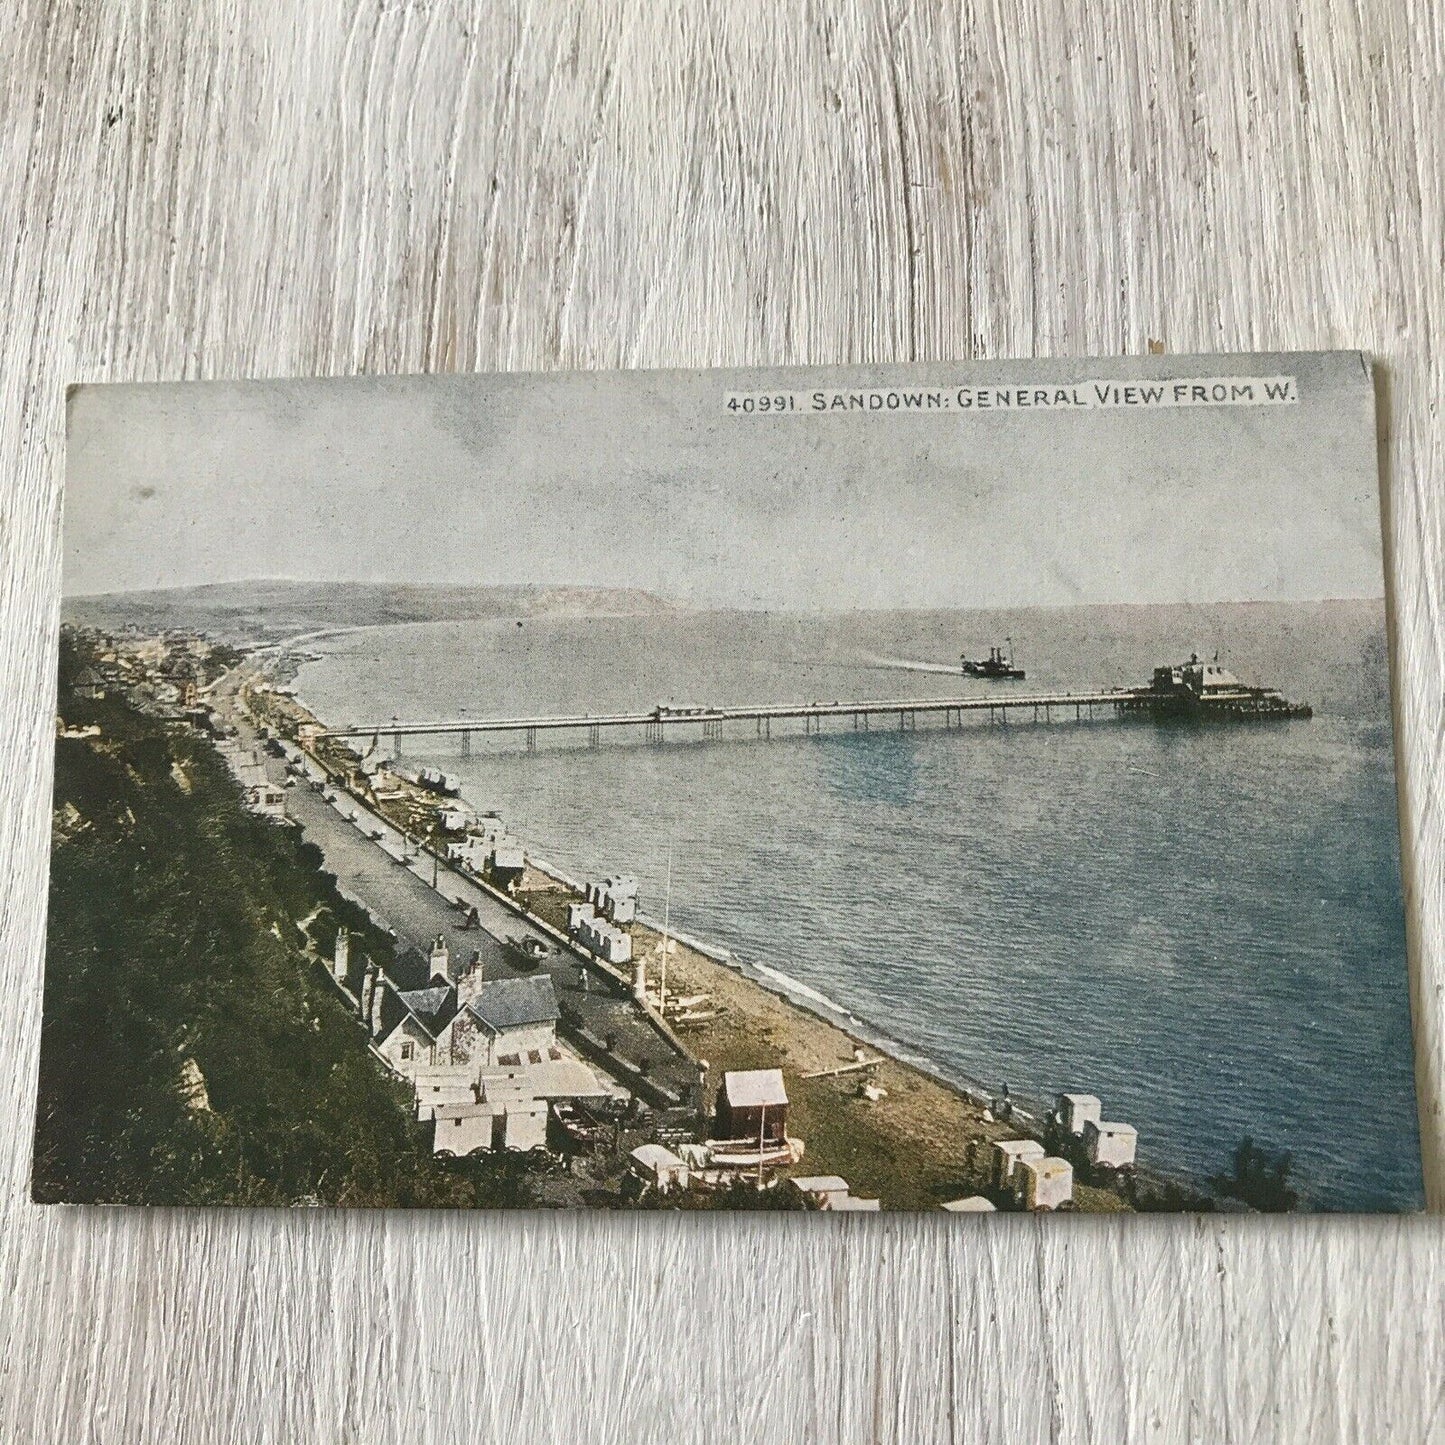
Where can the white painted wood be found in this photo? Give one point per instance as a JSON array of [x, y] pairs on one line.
[[228, 188]]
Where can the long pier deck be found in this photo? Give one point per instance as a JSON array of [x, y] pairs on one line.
[[711, 720]]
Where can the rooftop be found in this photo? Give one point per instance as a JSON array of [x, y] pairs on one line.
[[656, 1156], [551, 1079], [820, 1184], [509, 1003], [755, 1088]]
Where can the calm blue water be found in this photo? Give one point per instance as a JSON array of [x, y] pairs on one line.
[[1203, 927]]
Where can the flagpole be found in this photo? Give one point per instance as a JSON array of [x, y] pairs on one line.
[[666, 918]]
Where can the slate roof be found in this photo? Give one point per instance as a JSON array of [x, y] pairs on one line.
[[411, 970], [510, 1003], [433, 1008]]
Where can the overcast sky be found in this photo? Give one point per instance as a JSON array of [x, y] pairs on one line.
[[644, 479]]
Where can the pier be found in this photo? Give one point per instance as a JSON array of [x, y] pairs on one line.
[[711, 722]]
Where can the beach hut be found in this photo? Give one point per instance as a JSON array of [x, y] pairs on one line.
[[1111, 1145], [974, 1204], [1075, 1110], [851, 1204], [462, 1129], [658, 1166], [1008, 1154], [1044, 1183], [824, 1190], [753, 1104]]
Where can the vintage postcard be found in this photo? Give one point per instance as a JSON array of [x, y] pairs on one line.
[[956, 786]]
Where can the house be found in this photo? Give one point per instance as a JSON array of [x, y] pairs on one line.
[[1008, 1154], [753, 1104], [509, 1021], [1075, 1110], [415, 1029], [1111, 1145], [1045, 1183], [523, 1116], [498, 1108], [89, 684], [552, 1079], [409, 1027], [659, 1167]]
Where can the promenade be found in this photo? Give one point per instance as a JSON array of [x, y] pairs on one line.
[[362, 852]]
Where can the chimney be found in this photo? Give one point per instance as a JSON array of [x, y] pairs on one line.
[[440, 958], [341, 961], [368, 991], [377, 995], [639, 980], [472, 978]]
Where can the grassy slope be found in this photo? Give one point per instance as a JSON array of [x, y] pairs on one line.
[[174, 935]]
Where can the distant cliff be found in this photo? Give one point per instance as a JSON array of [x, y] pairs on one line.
[[268, 611]]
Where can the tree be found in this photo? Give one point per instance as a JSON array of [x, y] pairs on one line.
[[1260, 1178]]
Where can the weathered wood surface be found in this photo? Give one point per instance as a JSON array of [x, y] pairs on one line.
[[229, 189]]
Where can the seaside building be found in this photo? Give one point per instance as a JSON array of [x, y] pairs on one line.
[[615, 898], [822, 1189], [1046, 1183], [258, 793], [89, 684], [463, 1128], [1076, 1110], [658, 1167], [1111, 1145], [509, 1021], [435, 1085], [1008, 1154], [753, 1104], [831, 1193], [499, 1108], [507, 864], [597, 935], [416, 1026]]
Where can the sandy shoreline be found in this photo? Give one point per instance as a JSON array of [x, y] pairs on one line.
[[910, 1148]]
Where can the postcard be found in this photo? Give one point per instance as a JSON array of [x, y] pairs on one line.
[[957, 786]]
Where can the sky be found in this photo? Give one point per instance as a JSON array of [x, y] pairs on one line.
[[646, 479]]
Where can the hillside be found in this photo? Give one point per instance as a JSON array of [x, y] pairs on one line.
[[269, 611]]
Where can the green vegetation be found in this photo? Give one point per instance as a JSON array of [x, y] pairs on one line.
[[1259, 1179], [193, 1051]]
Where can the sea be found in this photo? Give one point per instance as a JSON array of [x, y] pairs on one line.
[[1201, 925]]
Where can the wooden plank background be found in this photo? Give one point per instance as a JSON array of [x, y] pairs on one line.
[[226, 189]]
